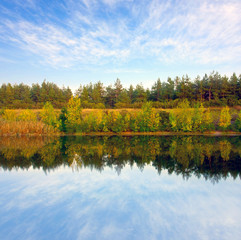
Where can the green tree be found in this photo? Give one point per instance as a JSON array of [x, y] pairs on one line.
[[118, 89], [74, 113], [98, 93], [225, 118], [49, 116], [140, 94], [147, 119], [156, 93]]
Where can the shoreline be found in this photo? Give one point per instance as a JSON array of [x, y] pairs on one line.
[[159, 133]]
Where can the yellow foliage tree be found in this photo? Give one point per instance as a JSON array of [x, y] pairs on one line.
[[74, 112], [225, 118], [48, 115]]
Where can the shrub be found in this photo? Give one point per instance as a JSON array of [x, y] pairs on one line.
[[62, 120], [48, 116], [74, 114], [187, 120], [104, 123], [117, 122], [238, 122], [95, 122], [207, 123], [27, 115], [173, 121], [119, 105], [9, 115], [225, 118], [100, 105], [147, 120], [164, 124], [2, 110], [88, 123], [134, 126], [185, 117]]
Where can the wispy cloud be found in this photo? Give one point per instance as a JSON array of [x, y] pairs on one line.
[[103, 32]]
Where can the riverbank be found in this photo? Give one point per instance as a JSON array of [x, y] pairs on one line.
[[73, 120], [159, 133]]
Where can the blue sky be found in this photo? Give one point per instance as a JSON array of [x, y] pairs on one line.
[[73, 42]]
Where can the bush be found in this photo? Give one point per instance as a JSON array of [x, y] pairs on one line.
[[173, 121], [207, 123], [63, 120], [238, 122], [164, 124], [134, 126], [119, 105], [74, 115], [184, 117], [2, 110], [9, 115], [225, 118], [48, 115], [157, 105], [94, 122], [100, 105], [117, 122], [187, 119], [147, 120], [27, 115], [88, 124]]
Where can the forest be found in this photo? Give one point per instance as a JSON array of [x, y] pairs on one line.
[[209, 104], [210, 90]]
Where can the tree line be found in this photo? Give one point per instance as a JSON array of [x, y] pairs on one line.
[[211, 90], [23, 96]]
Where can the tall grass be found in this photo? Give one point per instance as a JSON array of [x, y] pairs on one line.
[[25, 122], [11, 128]]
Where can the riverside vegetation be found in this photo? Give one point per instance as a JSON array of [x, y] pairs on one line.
[[211, 103], [72, 119]]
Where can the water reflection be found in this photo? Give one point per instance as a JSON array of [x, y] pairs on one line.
[[120, 188], [212, 157]]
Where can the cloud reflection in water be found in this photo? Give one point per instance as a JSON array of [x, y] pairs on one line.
[[133, 205]]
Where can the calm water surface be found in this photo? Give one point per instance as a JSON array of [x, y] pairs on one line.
[[120, 188]]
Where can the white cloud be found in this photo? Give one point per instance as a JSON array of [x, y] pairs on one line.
[[202, 32]]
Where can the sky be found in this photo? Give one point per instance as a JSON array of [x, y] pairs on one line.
[[73, 42]]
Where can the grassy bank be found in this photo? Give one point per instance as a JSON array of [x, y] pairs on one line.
[[146, 121]]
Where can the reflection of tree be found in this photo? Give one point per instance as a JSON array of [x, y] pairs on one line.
[[26, 147], [186, 155], [225, 149], [18, 151], [86, 153], [49, 152], [208, 151], [182, 151]]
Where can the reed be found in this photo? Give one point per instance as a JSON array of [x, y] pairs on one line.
[[13, 128]]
